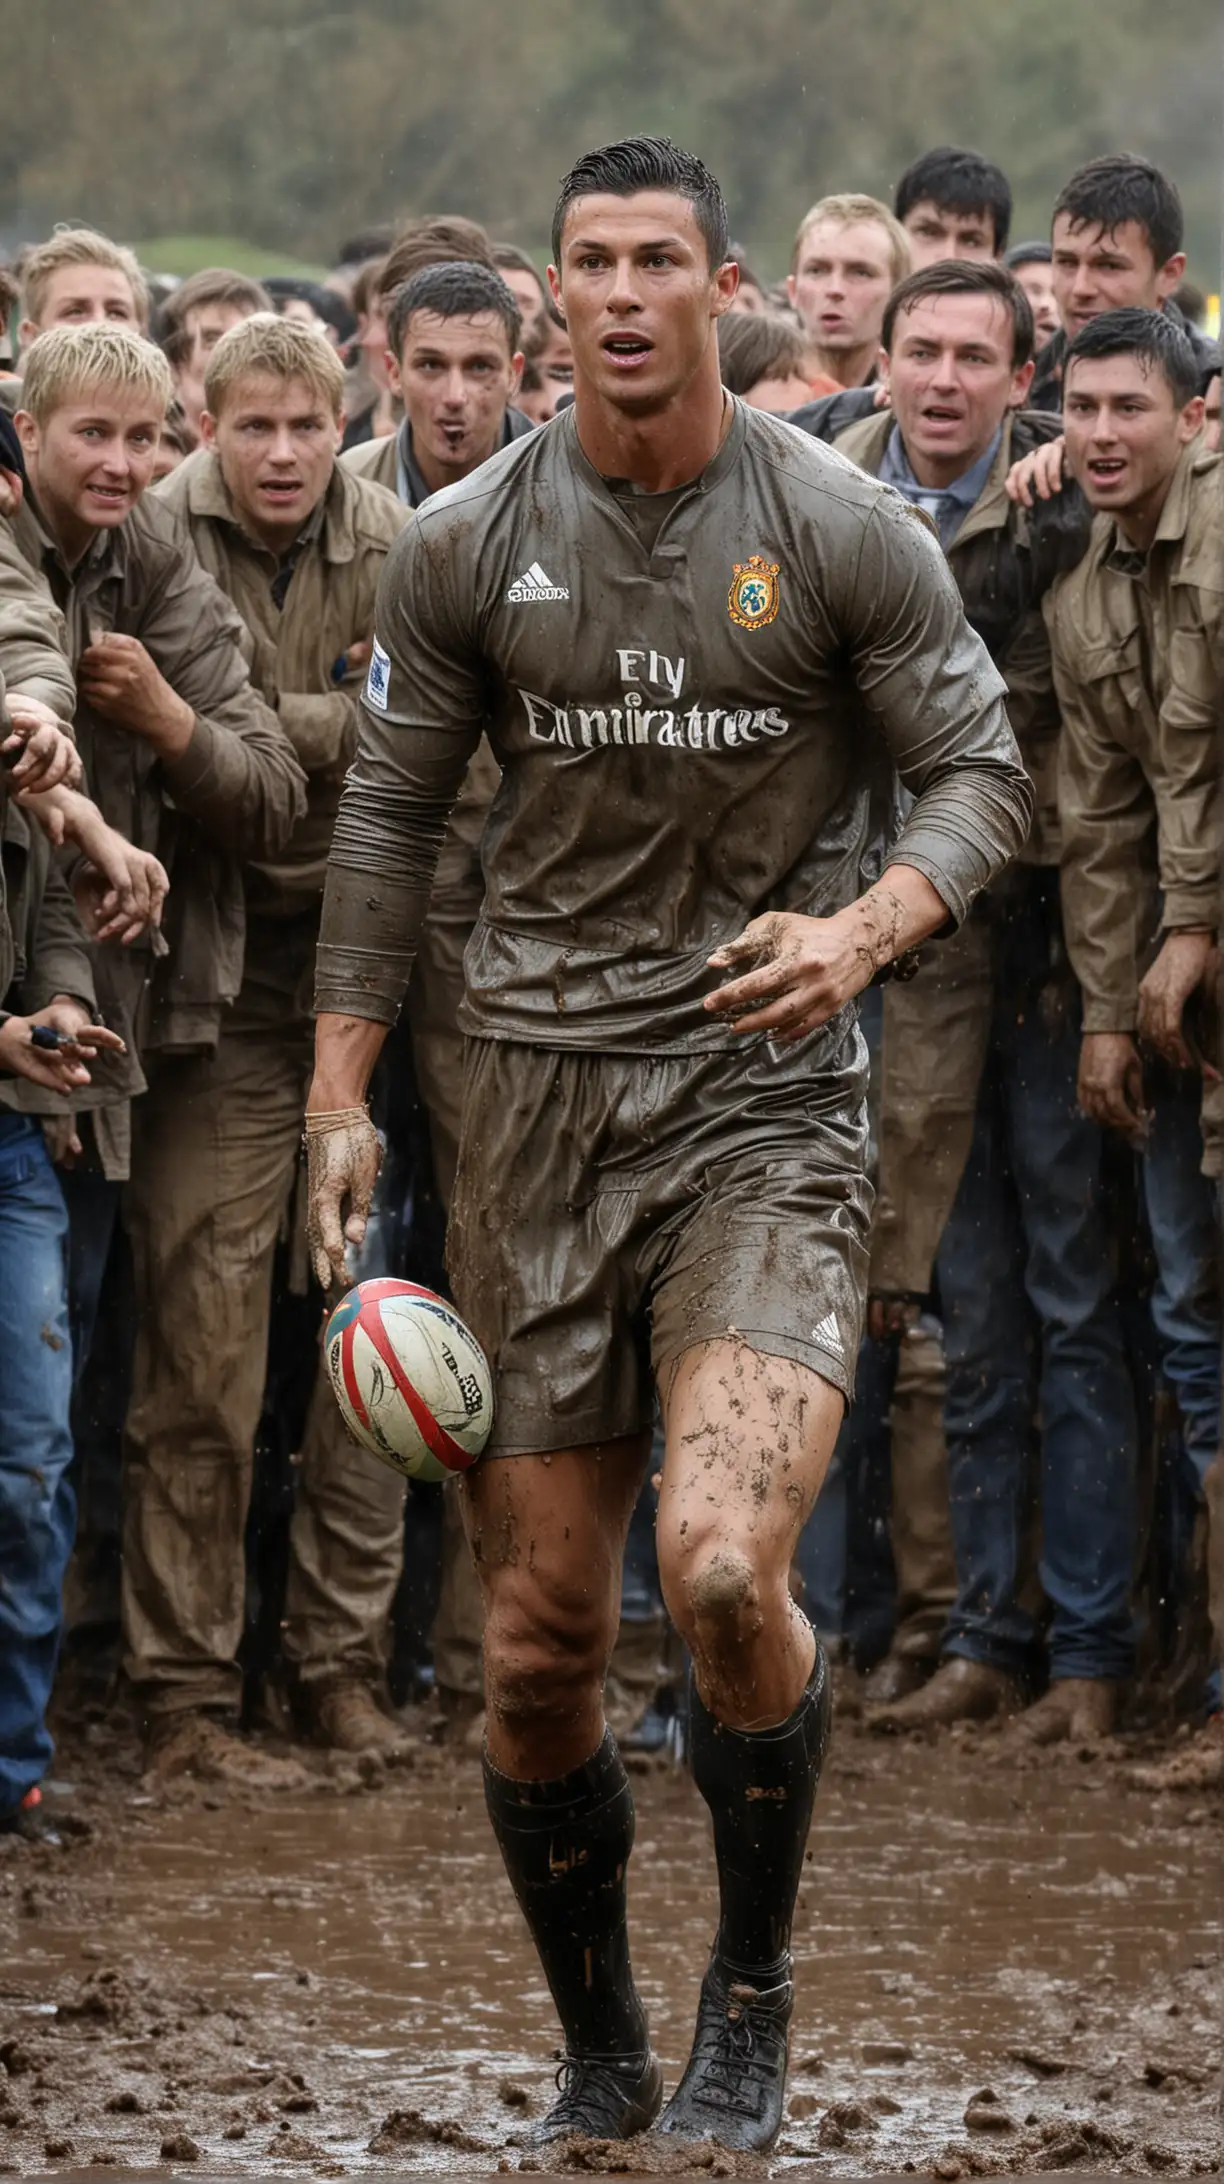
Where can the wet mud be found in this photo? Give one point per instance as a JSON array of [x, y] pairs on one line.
[[1008, 1963]]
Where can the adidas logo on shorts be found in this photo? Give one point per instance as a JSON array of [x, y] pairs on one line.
[[828, 1335], [532, 586]]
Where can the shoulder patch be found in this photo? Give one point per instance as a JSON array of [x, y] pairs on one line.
[[378, 679]]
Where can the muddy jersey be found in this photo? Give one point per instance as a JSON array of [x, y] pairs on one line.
[[697, 721]]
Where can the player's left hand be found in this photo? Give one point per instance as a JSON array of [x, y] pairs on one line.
[[807, 969]]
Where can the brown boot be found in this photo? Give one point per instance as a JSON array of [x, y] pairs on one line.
[[895, 1677], [199, 1745], [1075, 1710], [1199, 1765], [959, 1690], [346, 1717]]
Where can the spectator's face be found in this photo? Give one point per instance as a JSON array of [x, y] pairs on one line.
[[951, 378], [779, 395], [91, 460], [639, 297], [749, 298], [204, 325], [371, 340], [78, 294], [555, 370], [935, 232], [169, 456], [529, 296], [277, 442], [841, 283], [456, 376], [1036, 278], [1125, 431], [1099, 269]]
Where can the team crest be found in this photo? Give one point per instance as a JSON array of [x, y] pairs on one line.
[[753, 598]]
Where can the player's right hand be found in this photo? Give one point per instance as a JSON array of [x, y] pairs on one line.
[[342, 1159]]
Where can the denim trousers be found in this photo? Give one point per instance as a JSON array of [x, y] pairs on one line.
[[1181, 1208], [1040, 1400], [37, 1511]]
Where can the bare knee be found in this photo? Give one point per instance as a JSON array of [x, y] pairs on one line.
[[715, 1596]]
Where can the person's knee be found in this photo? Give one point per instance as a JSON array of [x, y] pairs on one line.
[[717, 1593], [547, 1641]]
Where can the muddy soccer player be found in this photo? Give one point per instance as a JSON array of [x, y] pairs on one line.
[[704, 649]]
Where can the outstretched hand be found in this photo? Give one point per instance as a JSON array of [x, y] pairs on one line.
[[342, 1157]]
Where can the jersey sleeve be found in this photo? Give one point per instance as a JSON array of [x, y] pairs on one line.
[[929, 682], [422, 711]]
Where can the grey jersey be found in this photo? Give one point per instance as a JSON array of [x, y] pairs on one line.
[[696, 721]]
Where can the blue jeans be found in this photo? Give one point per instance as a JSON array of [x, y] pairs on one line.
[[1032, 1331], [1181, 1206], [37, 1512]]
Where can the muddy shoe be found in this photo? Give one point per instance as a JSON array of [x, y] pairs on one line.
[[1199, 1765], [735, 2085], [612, 2098], [959, 1690], [30, 1820], [1076, 1709], [895, 1677], [346, 1717], [198, 1745]]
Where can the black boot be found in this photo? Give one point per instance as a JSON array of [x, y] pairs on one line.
[[566, 1845], [759, 1786]]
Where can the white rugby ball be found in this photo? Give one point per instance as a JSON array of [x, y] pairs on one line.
[[412, 1382]]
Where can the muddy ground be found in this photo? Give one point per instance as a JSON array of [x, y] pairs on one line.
[[1008, 1963]]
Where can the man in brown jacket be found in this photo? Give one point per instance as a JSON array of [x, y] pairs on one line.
[[297, 545], [983, 1159], [1137, 634]]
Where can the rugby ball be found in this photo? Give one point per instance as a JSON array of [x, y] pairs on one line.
[[412, 1382]]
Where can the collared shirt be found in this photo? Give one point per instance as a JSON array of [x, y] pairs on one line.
[[947, 505]]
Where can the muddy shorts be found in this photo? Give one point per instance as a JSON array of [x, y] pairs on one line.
[[611, 1211]]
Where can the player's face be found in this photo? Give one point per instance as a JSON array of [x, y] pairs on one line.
[[1099, 269], [639, 296], [936, 232], [277, 442], [1125, 431], [456, 376], [91, 460], [1037, 280], [840, 285], [951, 378]]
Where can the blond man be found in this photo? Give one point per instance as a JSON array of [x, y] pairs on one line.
[[78, 276], [848, 256], [297, 544]]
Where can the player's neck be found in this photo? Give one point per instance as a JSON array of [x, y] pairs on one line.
[[661, 449]]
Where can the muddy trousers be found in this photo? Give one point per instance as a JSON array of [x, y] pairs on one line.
[[37, 1512], [214, 1159]]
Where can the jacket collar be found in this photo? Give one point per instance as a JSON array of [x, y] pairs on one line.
[[332, 521], [865, 443], [1174, 518]]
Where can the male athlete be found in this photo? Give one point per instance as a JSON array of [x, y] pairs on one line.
[[700, 643]]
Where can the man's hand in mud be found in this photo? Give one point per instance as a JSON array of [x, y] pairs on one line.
[[806, 970], [1179, 970], [1038, 476], [39, 754], [1110, 1087], [342, 1157]]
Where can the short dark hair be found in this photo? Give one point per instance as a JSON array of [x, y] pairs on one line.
[[1028, 254], [958, 181], [647, 163], [458, 288], [1155, 337], [755, 345], [214, 284], [443, 239], [965, 277], [1121, 187]]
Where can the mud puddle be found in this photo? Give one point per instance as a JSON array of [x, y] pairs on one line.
[[1003, 1965]]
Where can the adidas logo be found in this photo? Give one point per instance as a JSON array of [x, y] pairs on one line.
[[828, 1335], [533, 585]]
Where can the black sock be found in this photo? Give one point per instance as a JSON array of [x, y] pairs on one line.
[[760, 1785], [566, 1845]]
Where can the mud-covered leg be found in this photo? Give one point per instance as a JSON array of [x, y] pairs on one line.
[[749, 1438]]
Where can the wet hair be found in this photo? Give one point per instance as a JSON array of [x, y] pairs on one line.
[[1155, 337], [455, 289], [1120, 187], [216, 284], [277, 348], [444, 240], [1028, 254], [78, 246], [647, 163], [70, 362], [965, 277], [755, 345], [847, 208], [957, 181]]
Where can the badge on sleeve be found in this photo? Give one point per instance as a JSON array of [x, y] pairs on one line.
[[378, 681], [753, 598]]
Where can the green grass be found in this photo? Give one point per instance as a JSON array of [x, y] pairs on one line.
[[184, 254]]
